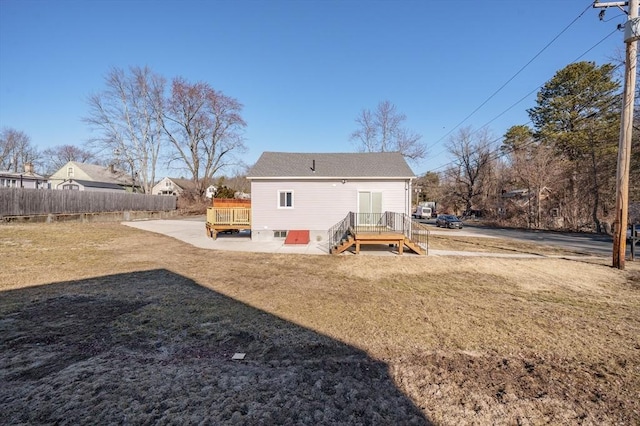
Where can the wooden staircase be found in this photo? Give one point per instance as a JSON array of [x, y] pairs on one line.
[[343, 245], [414, 247]]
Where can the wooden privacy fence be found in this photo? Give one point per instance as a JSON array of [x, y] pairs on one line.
[[30, 202]]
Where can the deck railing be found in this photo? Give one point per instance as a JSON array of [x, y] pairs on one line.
[[229, 216], [386, 222]]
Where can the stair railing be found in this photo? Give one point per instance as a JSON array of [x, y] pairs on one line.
[[340, 230]]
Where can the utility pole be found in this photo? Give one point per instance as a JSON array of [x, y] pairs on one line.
[[631, 36]]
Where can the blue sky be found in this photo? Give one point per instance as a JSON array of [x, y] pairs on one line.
[[302, 69]]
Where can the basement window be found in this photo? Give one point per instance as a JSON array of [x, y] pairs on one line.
[[279, 234]]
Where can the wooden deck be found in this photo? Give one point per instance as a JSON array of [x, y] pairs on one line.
[[396, 239], [221, 219], [368, 237]]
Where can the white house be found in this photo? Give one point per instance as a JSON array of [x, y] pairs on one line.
[[26, 179], [313, 192], [172, 186], [90, 177], [177, 186]]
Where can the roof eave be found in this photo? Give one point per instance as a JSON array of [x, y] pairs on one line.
[[330, 177]]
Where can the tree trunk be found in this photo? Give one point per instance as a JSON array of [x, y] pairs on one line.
[[596, 192]]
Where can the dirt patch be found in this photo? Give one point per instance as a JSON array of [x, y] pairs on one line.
[[522, 389]]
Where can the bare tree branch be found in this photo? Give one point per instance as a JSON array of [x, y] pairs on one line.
[[16, 150], [205, 128], [127, 114], [382, 131]]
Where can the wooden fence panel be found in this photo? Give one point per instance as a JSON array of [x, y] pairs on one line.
[[31, 202]]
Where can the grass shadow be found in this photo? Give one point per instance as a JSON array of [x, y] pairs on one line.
[[156, 347]]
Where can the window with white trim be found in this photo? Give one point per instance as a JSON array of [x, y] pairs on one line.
[[285, 199], [69, 171]]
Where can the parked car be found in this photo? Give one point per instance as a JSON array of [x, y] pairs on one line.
[[448, 221], [422, 212]]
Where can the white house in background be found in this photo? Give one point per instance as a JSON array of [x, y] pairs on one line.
[[25, 179], [210, 192], [172, 186], [177, 186], [313, 192], [90, 177]]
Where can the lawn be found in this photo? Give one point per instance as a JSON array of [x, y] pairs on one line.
[[102, 323]]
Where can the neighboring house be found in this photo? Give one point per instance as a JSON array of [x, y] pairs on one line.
[[210, 192], [178, 186], [26, 179], [313, 192], [523, 197], [172, 186], [90, 177]]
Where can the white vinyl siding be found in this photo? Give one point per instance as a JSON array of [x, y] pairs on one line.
[[319, 204]]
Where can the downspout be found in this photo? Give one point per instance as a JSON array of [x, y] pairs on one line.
[[408, 195]]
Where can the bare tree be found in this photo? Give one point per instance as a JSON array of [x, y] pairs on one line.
[[472, 162], [535, 167], [58, 156], [205, 128], [128, 115], [382, 131], [16, 150], [238, 180]]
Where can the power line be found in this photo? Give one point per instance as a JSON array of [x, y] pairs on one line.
[[514, 76], [526, 96]]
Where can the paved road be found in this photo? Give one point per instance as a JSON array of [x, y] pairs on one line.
[[596, 244]]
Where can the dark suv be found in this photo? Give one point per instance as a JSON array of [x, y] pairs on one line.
[[448, 221]]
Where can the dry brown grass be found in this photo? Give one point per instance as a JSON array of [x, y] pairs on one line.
[[451, 241], [468, 340]]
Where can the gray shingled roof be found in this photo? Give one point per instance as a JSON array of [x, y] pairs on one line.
[[185, 184], [94, 184], [104, 174], [331, 165]]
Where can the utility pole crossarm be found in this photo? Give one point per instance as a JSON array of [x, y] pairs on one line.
[[596, 4]]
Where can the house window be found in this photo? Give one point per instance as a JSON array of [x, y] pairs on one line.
[[285, 199], [72, 187], [279, 234], [70, 172], [167, 183]]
